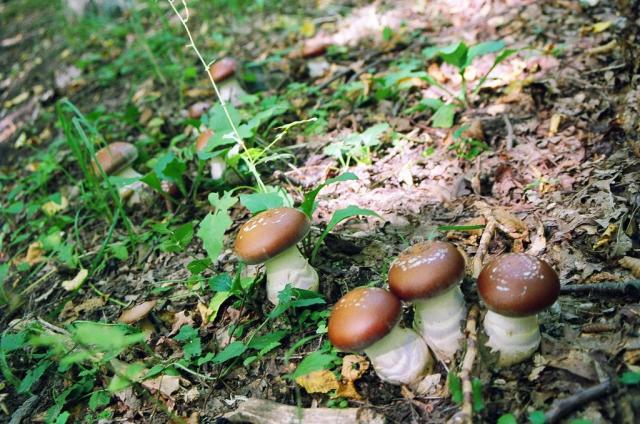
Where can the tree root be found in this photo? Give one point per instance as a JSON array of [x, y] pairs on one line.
[[563, 407], [631, 288]]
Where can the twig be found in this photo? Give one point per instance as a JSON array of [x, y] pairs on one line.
[[631, 288], [507, 123], [466, 413], [247, 157], [487, 235], [563, 407], [24, 410]]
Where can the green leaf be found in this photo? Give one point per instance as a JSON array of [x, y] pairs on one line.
[[62, 418], [33, 375], [169, 167], [309, 205], [339, 216], [455, 54], [99, 399], [460, 227], [186, 333], [119, 251], [537, 417], [233, 350], [387, 33], [431, 104], [455, 386], [197, 266], [214, 225], [483, 48], [124, 377], [192, 346], [444, 116], [10, 342], [262, 342], [476, 394], [258, 202], [507, 419], [221, 282], [223, 203], [104, 337], [630, 378], [152, 180], [216, 302], [316, 361]]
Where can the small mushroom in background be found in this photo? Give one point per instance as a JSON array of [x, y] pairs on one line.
[[198, 109], [171, 190], [271, 237], [223, 74], [515, 287], [429, 275], [217, 165], [366, 320], [116, 159], [137, 313], [313, 50]]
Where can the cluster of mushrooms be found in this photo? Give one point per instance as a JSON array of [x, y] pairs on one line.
[[514, 287]]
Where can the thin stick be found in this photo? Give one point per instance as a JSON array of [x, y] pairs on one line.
[[631, 288], [507, 123], [247, 157], [483, 247], [563, 407]]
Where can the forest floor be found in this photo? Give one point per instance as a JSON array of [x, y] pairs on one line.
[[547, 162]]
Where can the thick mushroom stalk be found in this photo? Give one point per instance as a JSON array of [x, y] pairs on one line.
[[401, 357], [515, 287], [429, 275], [289, 267], [438, 321], [132, 193], [271, 237], [223, 73], [515, 338], [365, 320]]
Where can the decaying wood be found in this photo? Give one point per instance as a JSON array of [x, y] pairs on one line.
[[563, 407], [260, 411], [629, 288], [466, 413]]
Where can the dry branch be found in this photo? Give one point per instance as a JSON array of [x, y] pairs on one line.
[[629, 288], [483, 247], [260, 411], [563, 407]]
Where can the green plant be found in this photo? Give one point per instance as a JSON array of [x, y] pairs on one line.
[[465, 147], [357, 146]]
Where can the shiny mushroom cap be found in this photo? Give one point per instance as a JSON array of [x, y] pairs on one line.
[[426, 270], [517, 285], [198, 109], [203, 139], [362, 317], [223, 69], [136, 313], [269, 233], [115, 157], [315, 47]]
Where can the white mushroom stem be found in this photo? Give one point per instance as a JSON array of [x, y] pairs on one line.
[[516, 339], [217, 166], [231, 91], [317, 66], [289, 267], [439, 319], [400, 357], [127, 191]]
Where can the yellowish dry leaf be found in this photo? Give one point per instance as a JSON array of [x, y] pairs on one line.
[[308, 28], [34, 253], [347, 390], [322, 381], [512, 223], [51, 208], [20, 98], [205, 312], [601, 26], [554, 124], [606, 237], [165, 384], [353, 367], [76, 281], [632, 264]]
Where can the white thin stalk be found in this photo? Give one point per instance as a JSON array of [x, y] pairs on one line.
[[515, 339], [289, 267], [401, 357], [439, 321]]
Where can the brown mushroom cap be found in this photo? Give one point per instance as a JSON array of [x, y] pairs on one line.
[[202, 140], [136, 313], [198, 109], [362, 317], [170, 188], [269, 233], [115, 157], [426, 270], [223, 69], [517, 285], [315, 47]]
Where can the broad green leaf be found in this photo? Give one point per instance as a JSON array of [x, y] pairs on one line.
[[262, 342], [10, 342], [387, 33], [537, 417], [33, 375], [431, 104], [630, 378], [455, 54], [483, 48], [125, 376], [455, 386], [119, 251], [222, 203], [214, 225], [444, 116], [221, 282], [258, 202], [216, 302], [233, 350], [104, 337], [99, 399], [476, 394], [169, 167], [315, 361], [339, 216], [152, 180], [192, 346], [507, 419], [309, 205]]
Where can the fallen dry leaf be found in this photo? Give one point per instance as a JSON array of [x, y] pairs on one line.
[[554, 124], [34, 253], [347, 390], [322, 381], [179, 319], [76, 281], [353, 367], [632, 264], [165, 384], [205, 312], [606, 237]]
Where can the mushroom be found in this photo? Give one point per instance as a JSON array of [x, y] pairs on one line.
[[198, 109], [365, 319], [428, 275], [217, 165], [313, 49], [137, 313], [171, 191], [271, 237], [223, 74], [515, 287], [116, 159]]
